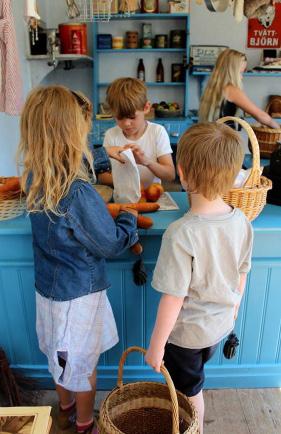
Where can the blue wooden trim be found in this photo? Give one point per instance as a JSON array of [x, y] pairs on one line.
[[144, 16], [217, 377], [95, 70], [151, 84], [245, 74], [141, 50]]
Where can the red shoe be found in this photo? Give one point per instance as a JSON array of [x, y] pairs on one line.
[[66, 418]]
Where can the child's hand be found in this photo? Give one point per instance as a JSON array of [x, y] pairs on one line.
[[139, 155], [154, 357], [115, 152], [129, 210]]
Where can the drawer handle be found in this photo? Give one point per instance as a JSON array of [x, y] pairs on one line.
[[174, 134]]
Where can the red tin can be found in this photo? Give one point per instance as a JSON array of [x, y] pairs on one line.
[[73, 38]]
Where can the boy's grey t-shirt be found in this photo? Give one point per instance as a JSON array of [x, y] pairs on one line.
[[201, 258]]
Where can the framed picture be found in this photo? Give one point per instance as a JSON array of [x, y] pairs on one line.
[[27, 420]]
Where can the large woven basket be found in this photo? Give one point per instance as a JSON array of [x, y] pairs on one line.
[[267, 139], [12, 208], [250, 198], [146, 407]]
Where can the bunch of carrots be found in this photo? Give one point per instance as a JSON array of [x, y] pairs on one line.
[[142, 207]]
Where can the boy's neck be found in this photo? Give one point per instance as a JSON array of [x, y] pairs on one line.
[[200, 205], [138, 134]]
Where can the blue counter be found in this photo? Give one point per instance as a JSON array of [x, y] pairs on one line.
[[258, 359]]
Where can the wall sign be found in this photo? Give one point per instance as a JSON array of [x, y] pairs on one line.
[[265, 32]]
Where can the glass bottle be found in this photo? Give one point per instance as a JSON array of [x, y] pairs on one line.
[[159, 72], [141, 71], [150, 6]]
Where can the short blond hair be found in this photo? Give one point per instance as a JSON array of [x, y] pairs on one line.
[[125, 96], [54, 127], [210, 156]]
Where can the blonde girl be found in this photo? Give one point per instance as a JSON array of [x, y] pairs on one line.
[[223, 95], [73, 234]]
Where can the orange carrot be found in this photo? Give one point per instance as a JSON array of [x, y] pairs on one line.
[[137, 248], [9, 184], [144, 222], [140, 207]]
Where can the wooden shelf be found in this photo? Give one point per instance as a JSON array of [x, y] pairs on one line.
[[60, 57], [141, 50], [139, 16], [246, 74], [150, 83]]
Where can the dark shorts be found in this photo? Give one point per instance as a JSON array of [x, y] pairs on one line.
[[186, 367]]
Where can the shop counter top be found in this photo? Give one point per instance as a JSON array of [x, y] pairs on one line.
[[258, 359]]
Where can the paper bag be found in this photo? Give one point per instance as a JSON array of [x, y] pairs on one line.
[[126, 179]]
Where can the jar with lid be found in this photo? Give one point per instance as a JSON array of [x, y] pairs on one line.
[[161, 41], [177, 39], [150, 6], [132, 39]]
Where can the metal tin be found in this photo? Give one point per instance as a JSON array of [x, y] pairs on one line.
[[117, 42], [132, 39], [73, 38], [104, 41], [161, 41], [177, 39]]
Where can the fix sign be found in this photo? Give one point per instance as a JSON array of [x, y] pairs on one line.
[[265, 32]]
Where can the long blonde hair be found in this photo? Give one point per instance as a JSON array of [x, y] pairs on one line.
[[54, 126], [227, 70]]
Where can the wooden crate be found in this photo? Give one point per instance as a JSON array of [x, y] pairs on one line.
[[27, 420]]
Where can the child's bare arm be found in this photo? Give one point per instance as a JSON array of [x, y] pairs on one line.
[[241, 288], [163, 168], [168, 312]]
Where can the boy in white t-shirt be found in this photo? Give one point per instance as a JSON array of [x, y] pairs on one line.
[[203, 261], [127, 99]]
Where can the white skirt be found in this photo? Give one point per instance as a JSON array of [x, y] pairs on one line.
[[77, 331]]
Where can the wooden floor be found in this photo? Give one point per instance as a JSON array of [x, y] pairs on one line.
[[243, 411]]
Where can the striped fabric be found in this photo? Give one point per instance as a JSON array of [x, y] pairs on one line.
[[10, 79]]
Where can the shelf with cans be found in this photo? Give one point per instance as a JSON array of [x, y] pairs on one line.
[[118, 48]]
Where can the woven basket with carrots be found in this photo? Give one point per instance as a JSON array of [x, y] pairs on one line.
[[12, 203]]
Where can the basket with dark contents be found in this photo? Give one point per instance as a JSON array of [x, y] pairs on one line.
[[147, 407], [267, 139]]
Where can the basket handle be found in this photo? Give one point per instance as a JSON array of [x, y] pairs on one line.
[[170, 384], [276, 99], [254, 178]]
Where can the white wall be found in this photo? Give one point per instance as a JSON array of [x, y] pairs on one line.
[[9, 125], [211, 28], [206, 28]]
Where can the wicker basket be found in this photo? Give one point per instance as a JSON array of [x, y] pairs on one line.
[[267, 139], [146, 407], [273, 107], [10, 209], [11, 194], [250, 198]]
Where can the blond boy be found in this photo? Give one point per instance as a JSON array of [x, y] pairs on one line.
[[127, 99], [203, 261]]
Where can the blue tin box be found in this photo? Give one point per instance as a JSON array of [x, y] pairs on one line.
[[104, 41]]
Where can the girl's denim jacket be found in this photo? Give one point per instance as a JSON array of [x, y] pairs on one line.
[[70, 250]]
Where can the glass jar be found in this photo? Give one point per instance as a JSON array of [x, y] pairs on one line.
[[150, 6]]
